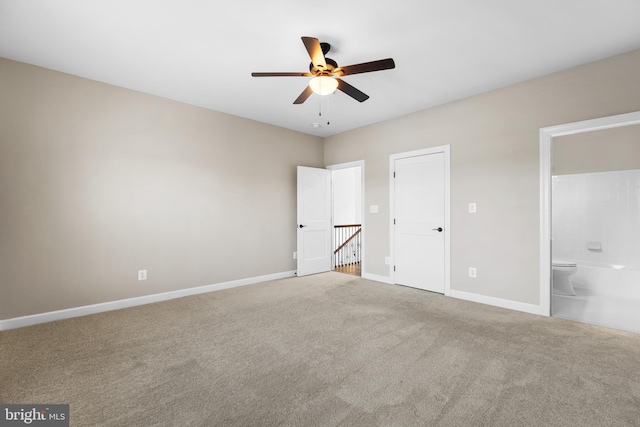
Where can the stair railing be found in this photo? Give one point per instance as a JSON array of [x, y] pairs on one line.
[[347, 241]]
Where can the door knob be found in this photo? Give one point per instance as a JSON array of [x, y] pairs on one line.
[[439, 229], [302, 225]]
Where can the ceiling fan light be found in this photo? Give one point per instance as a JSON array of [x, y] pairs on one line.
[[323, 85]]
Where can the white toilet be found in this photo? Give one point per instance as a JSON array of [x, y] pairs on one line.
[[562, 271]]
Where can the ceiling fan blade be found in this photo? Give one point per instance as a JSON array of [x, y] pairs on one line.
[[301, 74], [352, 91], [315, 51], [366, 67], [303, 96]]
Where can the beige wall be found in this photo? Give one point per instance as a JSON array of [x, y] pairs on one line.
[[598, 151], [494, 140], [97, 182]]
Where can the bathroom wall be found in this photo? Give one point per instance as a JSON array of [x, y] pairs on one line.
[[599, 207]]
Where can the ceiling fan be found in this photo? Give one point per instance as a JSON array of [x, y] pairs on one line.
[[326, 73]]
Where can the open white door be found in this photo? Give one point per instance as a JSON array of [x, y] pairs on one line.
[[420, 222], [314, 220]]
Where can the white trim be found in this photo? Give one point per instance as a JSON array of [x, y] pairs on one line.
[[545, 224], [377, 278], [446, 150], [497, 302], [19, 322], [546, 135], [349, 165]]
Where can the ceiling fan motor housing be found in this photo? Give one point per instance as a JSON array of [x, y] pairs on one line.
[[320, 71]]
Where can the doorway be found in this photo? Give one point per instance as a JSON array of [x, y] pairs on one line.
[[419, 220], [322, 243], [546, 137], [347, 212]]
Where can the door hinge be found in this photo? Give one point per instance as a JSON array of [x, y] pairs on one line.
[[394, 221], [394, 268], [394, 174]]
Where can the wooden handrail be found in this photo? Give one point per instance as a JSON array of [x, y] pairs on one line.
[[348, 240], [348, 225]]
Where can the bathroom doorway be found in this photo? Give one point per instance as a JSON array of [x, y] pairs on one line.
[[593, 222]]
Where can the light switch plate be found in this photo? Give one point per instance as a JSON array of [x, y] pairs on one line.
[[373, 208], [472, 208]]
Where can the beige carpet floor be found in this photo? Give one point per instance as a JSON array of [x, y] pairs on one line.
[[324, 350]]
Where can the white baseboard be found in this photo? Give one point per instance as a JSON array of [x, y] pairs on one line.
[[498, 302], [19, 322], [377, 278]]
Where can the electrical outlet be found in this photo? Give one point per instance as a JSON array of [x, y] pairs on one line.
[[295, 255], [472, 272], [142, 274], [387, 260]]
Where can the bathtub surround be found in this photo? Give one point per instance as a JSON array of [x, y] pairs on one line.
[[596, 218], [604, 296], [596, 224]]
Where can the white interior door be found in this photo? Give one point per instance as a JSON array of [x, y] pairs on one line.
[[419, 237], [314, 220]]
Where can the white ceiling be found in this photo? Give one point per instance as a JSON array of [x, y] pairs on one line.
[[202, 52]]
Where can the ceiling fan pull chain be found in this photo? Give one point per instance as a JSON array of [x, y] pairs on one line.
[[328, 105]]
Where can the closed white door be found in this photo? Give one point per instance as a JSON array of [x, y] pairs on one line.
[[314, 220], [419, 191]]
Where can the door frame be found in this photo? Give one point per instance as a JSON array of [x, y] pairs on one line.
[[446, 150], [546, 135], [349, 165]]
